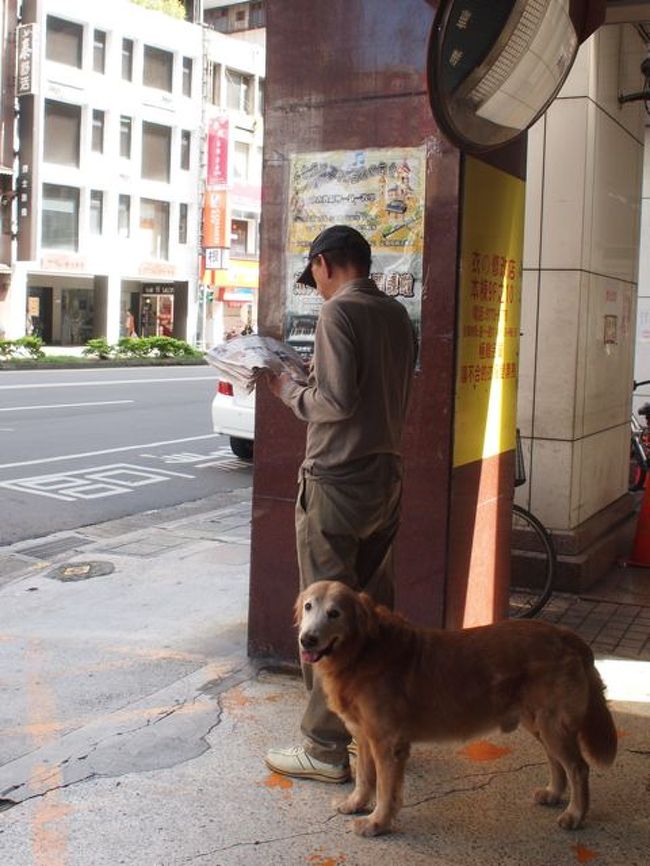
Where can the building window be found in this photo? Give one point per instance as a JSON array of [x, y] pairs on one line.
[[60, 227], [124, 216], [99, 51], [126, 129], [238, 91], [214, 84], [127, 59], [261, 88], [96, 212], [182, 224], [98, 131], [157, 71], [256, 16], [64, 41], [154, 228], [186, 143], [187, 76], [240, 161], [156, 151], [62, 133], [239, 237]]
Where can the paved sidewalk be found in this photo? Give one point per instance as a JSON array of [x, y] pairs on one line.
[[173, 774]]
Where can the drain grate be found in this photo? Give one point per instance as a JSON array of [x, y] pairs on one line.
[[53, 548]]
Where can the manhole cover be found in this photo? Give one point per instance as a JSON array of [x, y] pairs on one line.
[[70, 571]]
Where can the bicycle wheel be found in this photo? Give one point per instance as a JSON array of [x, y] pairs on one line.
[[532, 566]]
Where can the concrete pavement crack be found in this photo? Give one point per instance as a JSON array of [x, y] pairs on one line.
[[471, 787], [51, 790], [256, 843]]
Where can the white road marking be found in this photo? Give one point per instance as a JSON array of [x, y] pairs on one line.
[[94, 382], [65, 405], [105, 451], [96, 482]]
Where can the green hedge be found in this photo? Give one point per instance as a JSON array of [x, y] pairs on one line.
[[25, 347], [141, 347]]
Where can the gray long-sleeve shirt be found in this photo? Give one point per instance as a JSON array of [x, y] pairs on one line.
[[356, 397]]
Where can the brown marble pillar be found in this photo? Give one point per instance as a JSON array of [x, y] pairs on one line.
[[350, 75]]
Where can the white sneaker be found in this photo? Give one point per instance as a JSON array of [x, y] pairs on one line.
[[296, 762]]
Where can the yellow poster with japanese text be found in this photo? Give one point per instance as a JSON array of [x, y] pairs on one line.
[[490, 281]]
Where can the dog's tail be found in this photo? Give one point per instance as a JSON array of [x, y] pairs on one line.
[[598, 734]]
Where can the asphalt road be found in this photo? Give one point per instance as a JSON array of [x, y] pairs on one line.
[[81, 446]]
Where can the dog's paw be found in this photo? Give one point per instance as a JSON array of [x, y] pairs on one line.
[[369, 827], [546, 797], [348, 805], [569, 821]]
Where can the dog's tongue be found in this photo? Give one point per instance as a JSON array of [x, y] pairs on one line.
[[310, 656]]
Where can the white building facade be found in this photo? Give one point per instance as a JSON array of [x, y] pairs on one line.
[[108, 204]]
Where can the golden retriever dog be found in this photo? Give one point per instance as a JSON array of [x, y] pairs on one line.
[[394, 684]]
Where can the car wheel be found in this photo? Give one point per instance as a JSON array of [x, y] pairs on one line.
[[242, 448]]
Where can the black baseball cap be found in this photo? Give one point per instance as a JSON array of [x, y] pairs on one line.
[[332, 238]]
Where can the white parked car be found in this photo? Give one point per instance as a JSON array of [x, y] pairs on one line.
[[233, 415]]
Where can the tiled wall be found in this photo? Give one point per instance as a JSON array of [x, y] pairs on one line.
[[580, 280]]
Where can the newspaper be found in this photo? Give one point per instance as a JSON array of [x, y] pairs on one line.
[[243, 360]]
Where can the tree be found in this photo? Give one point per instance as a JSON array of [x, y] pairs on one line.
[[175, 8]]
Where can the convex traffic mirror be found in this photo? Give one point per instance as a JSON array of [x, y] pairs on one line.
[[495, 65]]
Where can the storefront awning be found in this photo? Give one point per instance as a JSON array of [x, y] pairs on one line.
[[240, 272]]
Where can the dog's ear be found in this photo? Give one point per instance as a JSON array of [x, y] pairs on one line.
[[297, 609], [367, 622]]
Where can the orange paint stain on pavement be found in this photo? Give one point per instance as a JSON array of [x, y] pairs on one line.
[[276, 780], [483, 750], [48, 822], [319, 859], [584, 855], [235, 699]]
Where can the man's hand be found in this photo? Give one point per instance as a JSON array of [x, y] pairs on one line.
[[278, 384]]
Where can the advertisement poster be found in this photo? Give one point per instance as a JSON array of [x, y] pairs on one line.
[[218, 143], [380, 192], [216, 227], [490, 306]]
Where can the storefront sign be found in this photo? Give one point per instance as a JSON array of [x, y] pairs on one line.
[[216, 258], [27, 59], [218, 137], [216, 225], [157, 288], [64, 262], [238, 272], [490, 305], [381, 193], [160, 270]]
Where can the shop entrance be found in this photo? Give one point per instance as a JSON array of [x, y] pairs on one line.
[[157, 314], [39, 313], [77, 316]]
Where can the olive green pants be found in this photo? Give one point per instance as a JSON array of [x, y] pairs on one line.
[[345, 527]]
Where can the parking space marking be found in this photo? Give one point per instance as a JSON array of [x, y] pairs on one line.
[[64, 405], [106, 451], [221, 458], [96, 482]]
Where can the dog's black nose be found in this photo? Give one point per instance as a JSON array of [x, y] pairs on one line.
[[308, 640]]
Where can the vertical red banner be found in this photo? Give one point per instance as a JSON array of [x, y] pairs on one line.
[[215, 219], [218, 135]]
